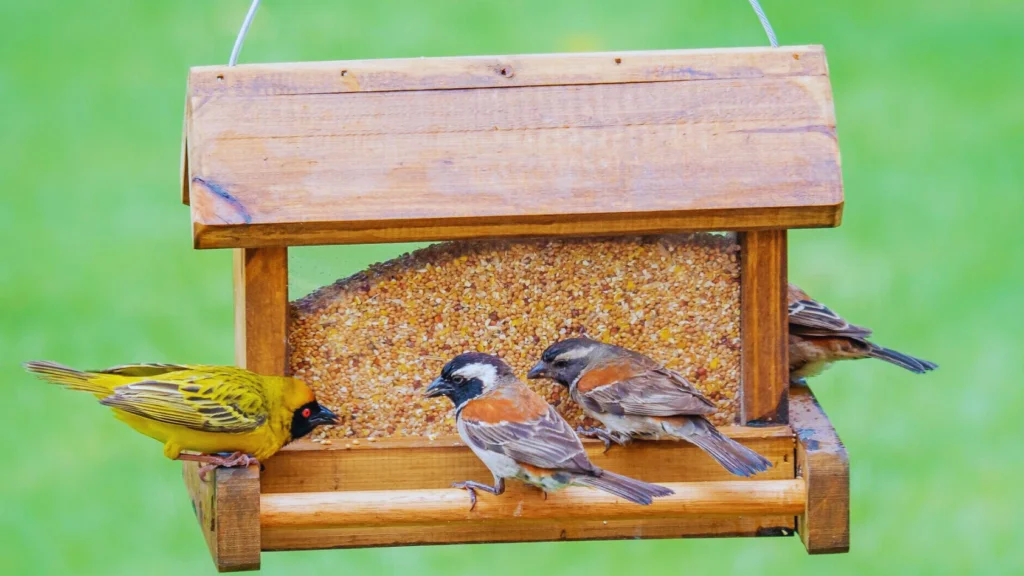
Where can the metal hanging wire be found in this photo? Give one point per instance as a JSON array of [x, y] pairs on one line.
[[240, 39], [241, 33], [764, 23]]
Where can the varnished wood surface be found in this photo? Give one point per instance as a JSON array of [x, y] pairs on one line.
[[261, 309], [823, 463], [287, 538], [436, 149], [410, 464], [519, 502], [764, 320], [450, 73], [227, 506]]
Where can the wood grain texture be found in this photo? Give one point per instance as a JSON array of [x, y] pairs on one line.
[[403, 74], [261, 309], [287, 538], [277, 159], [764, 321], [186, 176], [442, 506], [227, 507], [825, 467], [412, 464], [396, 492]]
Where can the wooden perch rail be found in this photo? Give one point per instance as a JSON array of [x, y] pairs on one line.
[[405, 507]]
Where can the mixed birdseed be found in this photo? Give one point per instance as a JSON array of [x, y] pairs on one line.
[[368, 344]]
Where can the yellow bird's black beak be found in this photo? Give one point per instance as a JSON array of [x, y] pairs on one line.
[[324, 417]]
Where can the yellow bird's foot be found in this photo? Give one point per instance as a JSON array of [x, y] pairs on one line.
[[213, 461]]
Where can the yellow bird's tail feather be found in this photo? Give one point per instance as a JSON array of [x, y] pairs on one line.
[[70, 378]]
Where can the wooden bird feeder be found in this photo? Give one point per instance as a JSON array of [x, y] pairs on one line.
[[374, 151]]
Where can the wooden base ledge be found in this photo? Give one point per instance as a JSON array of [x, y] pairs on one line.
[[312, 496], [824, 465], [413, 507]]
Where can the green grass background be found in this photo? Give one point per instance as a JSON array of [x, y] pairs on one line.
[[97, 267]]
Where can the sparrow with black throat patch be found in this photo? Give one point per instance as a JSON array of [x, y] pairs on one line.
[[517, 434], [818, 337], [636, 397]]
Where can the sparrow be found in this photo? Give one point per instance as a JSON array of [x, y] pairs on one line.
[[220, 416], [517, 434], [636, 397], [818, 337]]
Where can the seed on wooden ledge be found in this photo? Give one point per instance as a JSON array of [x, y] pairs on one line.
[[674, 298]]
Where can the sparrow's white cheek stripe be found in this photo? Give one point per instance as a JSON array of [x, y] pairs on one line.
[[485, 372], [575, 353]]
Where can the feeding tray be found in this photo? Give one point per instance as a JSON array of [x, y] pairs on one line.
[[602, 144]]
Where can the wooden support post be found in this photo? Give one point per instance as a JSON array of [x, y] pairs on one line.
[[261, 309], [764, 321], [227, 506], [821, 460]]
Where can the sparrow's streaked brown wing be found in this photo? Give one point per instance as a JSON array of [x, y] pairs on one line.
[[657, 392], [811, 318], [543, 439]]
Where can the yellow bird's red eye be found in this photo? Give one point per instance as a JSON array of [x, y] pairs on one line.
[[306, 412]]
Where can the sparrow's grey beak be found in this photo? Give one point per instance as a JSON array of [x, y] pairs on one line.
[[439, 387], [538, 371], [324, 416]]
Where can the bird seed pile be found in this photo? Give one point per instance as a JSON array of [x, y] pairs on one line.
[[370, 343]]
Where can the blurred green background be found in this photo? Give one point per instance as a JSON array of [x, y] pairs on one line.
[[98, 269]]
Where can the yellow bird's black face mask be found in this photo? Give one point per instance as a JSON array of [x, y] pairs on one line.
[[308, 417]]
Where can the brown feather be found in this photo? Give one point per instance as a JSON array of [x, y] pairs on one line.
[[504, 406], [605, 375]]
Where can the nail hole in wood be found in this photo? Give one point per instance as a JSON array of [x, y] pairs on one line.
[[220, 77], [618, 60], [344, 73], [507, 71]]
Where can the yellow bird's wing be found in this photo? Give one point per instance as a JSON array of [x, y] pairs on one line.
[[143, 370], [220, 407]]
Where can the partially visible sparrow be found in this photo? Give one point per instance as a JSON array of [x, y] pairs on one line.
[[636, 397], [818, 337], [516, 434], [217, 415]]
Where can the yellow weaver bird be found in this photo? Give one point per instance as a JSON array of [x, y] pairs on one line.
[[222, 416]]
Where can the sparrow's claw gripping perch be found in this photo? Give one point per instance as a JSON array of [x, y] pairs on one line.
[[213, 461], [603, 435], [472, 492], [470, 486]]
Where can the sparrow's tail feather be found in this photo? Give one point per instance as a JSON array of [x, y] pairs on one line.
[[635, 491], [915, 365], [733, 456], [69, 377]]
